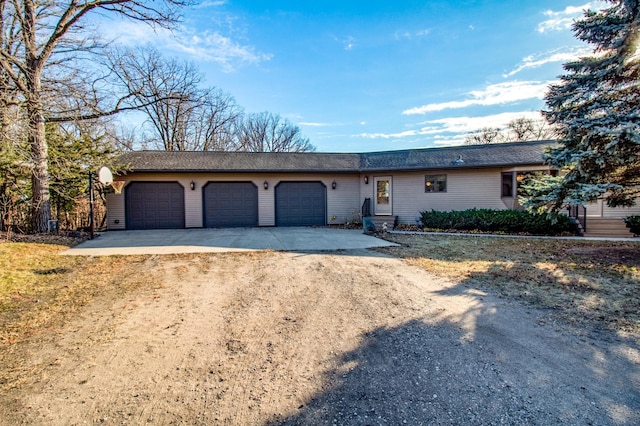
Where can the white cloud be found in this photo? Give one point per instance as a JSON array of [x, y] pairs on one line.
[[563, 19], [314, 124], [555, 24], [214, 47], [210, 46], [455, 140], [464, 125], [559, 55], [452, 130], [209, 3], [348, 43], [495, 94], [409, 35], [398, 135]]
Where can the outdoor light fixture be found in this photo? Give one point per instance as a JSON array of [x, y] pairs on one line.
[[192, 185], [366, 180], [333, 185], [266, 185]]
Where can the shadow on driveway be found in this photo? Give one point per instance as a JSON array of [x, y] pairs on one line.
[[173, 241], [493, 364]]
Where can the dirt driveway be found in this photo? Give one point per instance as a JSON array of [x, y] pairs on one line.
[[349, 337]]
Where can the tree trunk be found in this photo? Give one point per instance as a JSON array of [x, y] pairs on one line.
[[40, 203]]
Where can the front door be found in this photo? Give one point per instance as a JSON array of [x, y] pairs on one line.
[[382, 186]]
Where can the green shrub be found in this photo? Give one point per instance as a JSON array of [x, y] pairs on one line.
[[498, 221], [633, 223]]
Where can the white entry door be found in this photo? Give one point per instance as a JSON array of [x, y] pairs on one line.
[[382, 186]]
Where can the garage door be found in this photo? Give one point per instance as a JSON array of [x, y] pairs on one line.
[[230, 204], [301, 203], [154, 205]]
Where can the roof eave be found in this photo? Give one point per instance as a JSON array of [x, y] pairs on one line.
[[466, 167], [262, 171]]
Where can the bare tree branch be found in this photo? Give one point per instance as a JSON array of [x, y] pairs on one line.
[[267, 132], [50, 34]]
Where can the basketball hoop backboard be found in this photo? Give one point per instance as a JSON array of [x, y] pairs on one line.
[[105, 176]]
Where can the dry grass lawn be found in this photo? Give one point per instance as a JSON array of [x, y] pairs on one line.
[[595, 283], [39, 289]]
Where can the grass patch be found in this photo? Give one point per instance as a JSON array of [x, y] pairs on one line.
[[584, 281], [39, 289], [28, 271]]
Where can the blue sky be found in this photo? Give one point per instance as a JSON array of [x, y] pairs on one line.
[[378, 75]]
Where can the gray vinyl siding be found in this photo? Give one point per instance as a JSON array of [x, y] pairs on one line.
[[600, 209], [343, 201], [465, 189], [115, 211]]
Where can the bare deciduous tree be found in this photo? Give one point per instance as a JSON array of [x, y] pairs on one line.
[[522, 128], [518, 130], [527, 129], [217, 120], [485, 136], [42, 47], [182, 116], [267, 132]]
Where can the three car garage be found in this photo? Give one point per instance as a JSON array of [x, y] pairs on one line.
[[161, 205]]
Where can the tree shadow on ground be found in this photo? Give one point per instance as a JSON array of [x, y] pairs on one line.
[[590, 284], [494, 362]]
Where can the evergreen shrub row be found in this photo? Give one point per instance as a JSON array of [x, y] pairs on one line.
[[498, 221], [633, 223]]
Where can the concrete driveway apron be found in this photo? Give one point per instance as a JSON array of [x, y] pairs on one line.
[[225, 240]]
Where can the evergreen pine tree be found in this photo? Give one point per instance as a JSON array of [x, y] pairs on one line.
[[596, 109]]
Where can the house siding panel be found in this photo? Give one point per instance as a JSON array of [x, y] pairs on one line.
[[620, 212], [601, 210], [465, 189], [343, 201], [193, 202], [115, 211]]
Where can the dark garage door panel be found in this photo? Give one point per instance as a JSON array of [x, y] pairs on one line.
[[154, 205], [301, 204], [230, 204]]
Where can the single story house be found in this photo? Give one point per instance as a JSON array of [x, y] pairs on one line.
[[245, 189]]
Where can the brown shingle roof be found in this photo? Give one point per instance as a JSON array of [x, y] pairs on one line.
[[468, 156], [192, 161]]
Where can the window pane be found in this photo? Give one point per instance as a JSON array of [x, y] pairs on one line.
[[435, 183], [507, 184], [382, 193]]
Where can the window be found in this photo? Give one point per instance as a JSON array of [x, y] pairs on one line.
[[507, 184], [383, 193], [435, 183]]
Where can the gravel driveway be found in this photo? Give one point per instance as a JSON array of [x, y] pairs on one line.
[[350, 337]]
